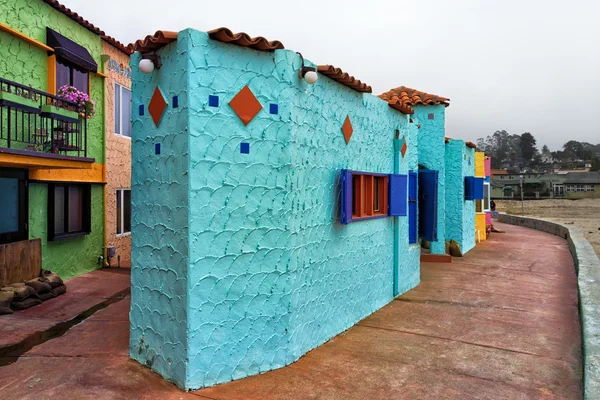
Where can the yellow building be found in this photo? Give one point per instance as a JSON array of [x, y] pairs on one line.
[[480, 218]]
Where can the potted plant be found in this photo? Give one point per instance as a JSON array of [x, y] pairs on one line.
[[85, 106], [23, 99]]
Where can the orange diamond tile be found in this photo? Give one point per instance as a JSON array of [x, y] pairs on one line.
[[245, 105], [157, 106], [347, 129], [404, 148]]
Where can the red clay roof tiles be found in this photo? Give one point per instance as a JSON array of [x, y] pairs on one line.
[[403, 98], [344, 78], [153, 42], [87, 24], [243, 39]]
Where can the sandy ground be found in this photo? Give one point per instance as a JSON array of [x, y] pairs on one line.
[[584, 214]]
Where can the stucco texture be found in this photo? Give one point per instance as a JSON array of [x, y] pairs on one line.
[[460, 213], [27, 64], [431, 138], [118, 157], [480, 218], [72, 256], [264, 271]]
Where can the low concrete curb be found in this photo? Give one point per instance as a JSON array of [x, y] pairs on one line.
[[588, 279]]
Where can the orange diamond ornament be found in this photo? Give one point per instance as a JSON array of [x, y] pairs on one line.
[[157, 106], [245, 105], [347, 129], [404, 147]]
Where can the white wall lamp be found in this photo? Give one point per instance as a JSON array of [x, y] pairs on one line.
[[149, 62], [309, 74]]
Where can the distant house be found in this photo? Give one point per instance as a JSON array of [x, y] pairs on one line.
[[582, 185], [558, 184]]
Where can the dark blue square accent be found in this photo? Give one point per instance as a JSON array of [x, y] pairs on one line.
[[274, 109], [245, 148], [141, 109], [175, 101], [157, 148], [430, 116], [213, 101]]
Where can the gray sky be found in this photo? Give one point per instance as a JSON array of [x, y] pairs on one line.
[[523, 66]]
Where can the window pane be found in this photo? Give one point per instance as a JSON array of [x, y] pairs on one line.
[[117, 107], [126, 111], [9, 204], [486, 197], [80, 80], [119, 210], [63, 75], [59, 210], [376, 205], [127, 210], [75, 209]]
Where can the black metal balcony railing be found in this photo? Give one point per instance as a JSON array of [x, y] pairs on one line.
[[35, 121]]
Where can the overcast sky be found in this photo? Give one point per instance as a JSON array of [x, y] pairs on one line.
[[518, 65]]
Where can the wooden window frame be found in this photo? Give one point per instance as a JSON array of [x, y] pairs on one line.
[[363, 195], [86, 218]]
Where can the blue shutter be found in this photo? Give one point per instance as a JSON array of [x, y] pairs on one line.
[[428, 199], [346, 200], [412, 207], [397, 199], [478, 188], [469, 187]]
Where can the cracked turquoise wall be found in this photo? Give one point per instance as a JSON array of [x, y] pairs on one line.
[[460, 213], [431, 155], [243, 267]]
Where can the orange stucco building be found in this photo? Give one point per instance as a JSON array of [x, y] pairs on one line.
[[118, 154]]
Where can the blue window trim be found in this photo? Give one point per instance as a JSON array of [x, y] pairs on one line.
[[346, 197]]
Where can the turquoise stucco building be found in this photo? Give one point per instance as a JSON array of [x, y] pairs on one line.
[[269, 214], [460, 207]]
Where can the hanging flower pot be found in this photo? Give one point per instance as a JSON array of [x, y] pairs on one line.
[[85, 106]]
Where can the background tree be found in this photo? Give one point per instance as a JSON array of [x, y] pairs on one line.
[[595, 164], [527, 144], [545, 149]]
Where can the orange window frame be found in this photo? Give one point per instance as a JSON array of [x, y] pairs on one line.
[[364, 195]]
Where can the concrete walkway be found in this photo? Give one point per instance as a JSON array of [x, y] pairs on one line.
[[500, 323]]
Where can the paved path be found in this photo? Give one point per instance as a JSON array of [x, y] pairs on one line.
[[501, 323]]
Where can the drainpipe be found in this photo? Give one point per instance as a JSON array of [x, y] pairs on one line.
[[397, 147]]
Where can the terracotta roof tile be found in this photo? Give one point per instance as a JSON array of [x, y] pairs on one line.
[[344, 78], [153, 42], [403, 98], [87, 24], [471, 145], [243, 39]]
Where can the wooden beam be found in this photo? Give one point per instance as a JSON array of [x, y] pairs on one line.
[[32, 41], [51, 87]]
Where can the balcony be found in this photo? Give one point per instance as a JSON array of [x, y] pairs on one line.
[[38, 124]]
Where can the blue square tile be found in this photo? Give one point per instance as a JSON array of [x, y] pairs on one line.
[[245, 148], [157, 148], [141, 109], [430, 116], [213, 101], [274, 109], [175, 101]]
